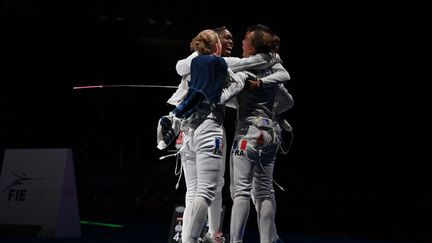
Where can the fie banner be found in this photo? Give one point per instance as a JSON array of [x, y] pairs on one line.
[[37, 188]]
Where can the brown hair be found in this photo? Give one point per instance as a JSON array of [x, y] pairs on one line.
[[264, 40]]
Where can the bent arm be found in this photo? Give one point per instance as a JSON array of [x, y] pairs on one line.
[[279, 75], [181, 91], [284, 100], [189, 105], [183, 65], [234, 86], [183, 69], [258, 61]]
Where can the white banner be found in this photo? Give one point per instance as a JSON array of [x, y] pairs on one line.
[[37, 187]]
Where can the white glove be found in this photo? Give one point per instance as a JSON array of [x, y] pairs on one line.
[[176, 124], [159, 135], [285, 125]]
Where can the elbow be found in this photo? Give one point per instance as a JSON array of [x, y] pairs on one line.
[[287, 76]]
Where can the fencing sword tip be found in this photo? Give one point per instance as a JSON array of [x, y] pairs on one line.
[[88, 87]]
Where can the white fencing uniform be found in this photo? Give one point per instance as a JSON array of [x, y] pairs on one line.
[[211, 135], [256, 142]]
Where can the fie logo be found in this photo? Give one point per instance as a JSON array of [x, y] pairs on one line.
[[15, 192]]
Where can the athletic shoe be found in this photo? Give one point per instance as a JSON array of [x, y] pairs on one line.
[[217, 239]]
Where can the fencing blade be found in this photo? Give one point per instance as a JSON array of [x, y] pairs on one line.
[[124, 86]]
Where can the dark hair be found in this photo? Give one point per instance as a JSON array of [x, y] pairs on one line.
[[220, 29], [262, 27], [264, 39]]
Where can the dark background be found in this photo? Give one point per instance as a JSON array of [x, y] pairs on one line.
[[361, 119]]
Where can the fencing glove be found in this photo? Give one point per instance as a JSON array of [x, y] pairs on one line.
[[167, 130]]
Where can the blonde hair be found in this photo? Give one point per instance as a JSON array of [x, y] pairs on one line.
[[204, 42]]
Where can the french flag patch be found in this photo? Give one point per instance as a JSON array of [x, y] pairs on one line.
[[239, 147], [218, 146], [218, 143], [243, 144], [234, 145]]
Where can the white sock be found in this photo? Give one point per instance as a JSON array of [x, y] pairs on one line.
[[196, 215], [265, 213], [186, 222], [239, 216], [215, 213]]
